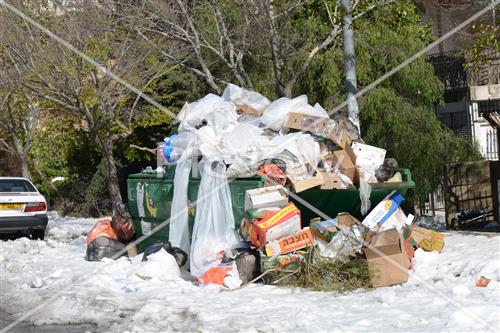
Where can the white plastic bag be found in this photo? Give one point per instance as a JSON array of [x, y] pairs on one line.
[[213, 231], [179, 229], [277, 112], [343, 244], [240, 96]]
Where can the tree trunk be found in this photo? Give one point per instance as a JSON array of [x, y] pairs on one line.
[[22, 158], [24, 166], [111, 171]]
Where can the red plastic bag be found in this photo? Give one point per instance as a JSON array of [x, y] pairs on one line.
[[273, 174], [102, 228], [215, 275]]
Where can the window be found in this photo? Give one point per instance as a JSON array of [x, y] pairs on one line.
[[16, 185]]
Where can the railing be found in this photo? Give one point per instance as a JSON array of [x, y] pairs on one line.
[[450, 68], [492, 145]]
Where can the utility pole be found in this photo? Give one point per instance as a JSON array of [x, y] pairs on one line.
[[350, 64]]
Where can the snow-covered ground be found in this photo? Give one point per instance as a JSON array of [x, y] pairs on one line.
[[129, 296]]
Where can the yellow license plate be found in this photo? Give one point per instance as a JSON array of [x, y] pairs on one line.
[[6, 206]]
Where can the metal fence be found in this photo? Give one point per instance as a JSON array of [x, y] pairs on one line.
[[434, 204], [492, 145]]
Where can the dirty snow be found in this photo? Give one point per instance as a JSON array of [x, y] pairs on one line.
[[127, 295]]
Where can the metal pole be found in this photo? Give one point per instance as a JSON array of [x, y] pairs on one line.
[[350, 64]]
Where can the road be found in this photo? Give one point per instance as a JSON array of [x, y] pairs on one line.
[[6, 319]]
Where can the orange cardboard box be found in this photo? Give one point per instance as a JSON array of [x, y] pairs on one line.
[[285, 222], [290, 243]]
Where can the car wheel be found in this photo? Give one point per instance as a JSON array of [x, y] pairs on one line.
[[38, 234]]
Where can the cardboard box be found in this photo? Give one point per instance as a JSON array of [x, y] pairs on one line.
[[331, 181], [367, 175], [327, 229], [289, 261], [344, 141], [322, 126], [290, 243], [248, 110], [428, 240], [272, 196], [389, 265], [368, 157], [302, 185], [384, 212], [285, 222], [342, 159]]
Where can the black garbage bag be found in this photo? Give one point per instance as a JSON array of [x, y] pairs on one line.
[[179, 255], [103, 247], [387, 170], [247, 261]]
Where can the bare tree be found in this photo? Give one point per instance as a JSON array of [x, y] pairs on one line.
[[54, 74], [219, 40]]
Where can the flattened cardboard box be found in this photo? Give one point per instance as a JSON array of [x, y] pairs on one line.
[[322, 126], [346, 165], [327, 229], [290, 243], [428, 240], [390, 265], [248, 110], [331, 181], [302, 185]]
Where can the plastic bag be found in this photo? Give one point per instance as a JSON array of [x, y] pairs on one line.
[[179, 228], [343, 243], [277, 112], [240, 96], [179, 255], [121, 222], [100, 229], [103, 247], [213, 231]]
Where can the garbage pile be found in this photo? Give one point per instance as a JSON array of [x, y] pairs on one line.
[[295, 147]]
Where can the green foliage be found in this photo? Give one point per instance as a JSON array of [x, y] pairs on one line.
[[61, 150], [413, 135], [485, 39], [325, 274], [399, 114]]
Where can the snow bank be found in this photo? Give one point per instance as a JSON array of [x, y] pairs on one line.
[[128, 295]]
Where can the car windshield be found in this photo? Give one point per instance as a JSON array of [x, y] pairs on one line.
[[16, 185]]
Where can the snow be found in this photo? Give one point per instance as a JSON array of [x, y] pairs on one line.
[[128, 295]]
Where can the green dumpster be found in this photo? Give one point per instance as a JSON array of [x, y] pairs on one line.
[[157, 201], [332, 202], [158, 195]]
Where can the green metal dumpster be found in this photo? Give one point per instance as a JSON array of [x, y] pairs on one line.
[[159, 191], [332, 202], [158, 195]]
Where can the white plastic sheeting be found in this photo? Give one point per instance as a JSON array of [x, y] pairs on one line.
[[213, 232]]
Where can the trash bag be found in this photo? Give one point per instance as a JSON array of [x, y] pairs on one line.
[[102, 228], [240, 96], [121, 222], [273, 174], [178, 228], [387, 170], [213, 231], [277, 112], [179, 255], [103, 247]]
